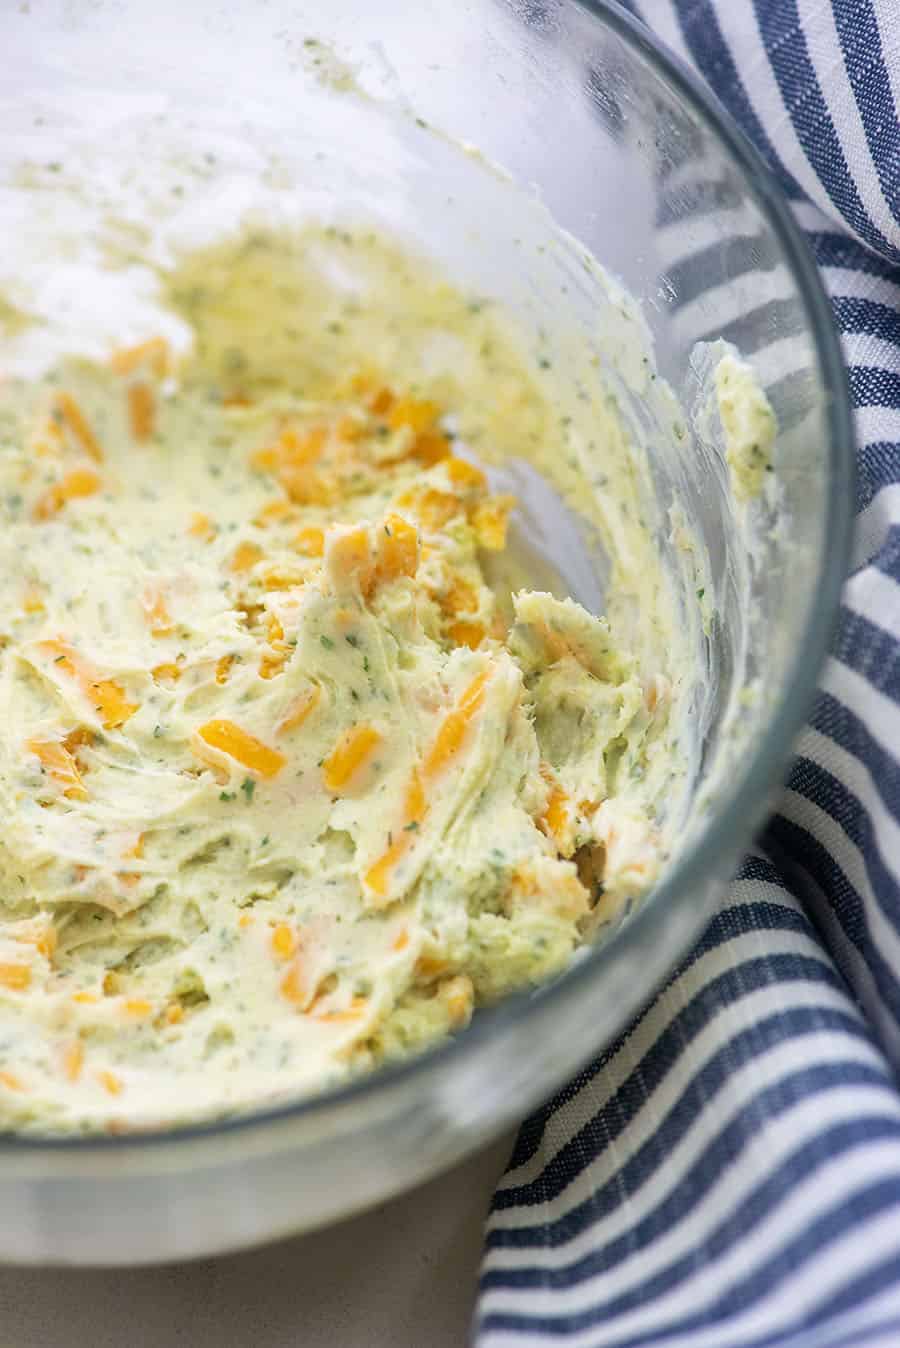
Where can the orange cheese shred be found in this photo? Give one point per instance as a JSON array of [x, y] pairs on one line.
[[61, 766], [458, 996], [156, 611], [398, 549], [469, 634], [556, 820], [15, 977], [245, 556], [80, 482], [202, 527], [274, 512], [284, 941], [348, 559], [310, 541], [415, 808], [352, 751], [167, 672], [38, 932], [223, 668], [244, 748], [153, 353], [432, 508], [417, 413], [490, 520], [430, 447], [377, 877], [460, 597], [464, 474], [297, 986], [66, 409], [111, 703], [73, 1059], [453, 728], [141, 410], [33, 599]]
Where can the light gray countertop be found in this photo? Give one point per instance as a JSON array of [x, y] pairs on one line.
[[402, 1275]]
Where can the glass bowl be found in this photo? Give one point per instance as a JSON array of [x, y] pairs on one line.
[[401, 113]]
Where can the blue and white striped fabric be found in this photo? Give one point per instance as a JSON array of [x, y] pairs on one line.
[[727, 1175]]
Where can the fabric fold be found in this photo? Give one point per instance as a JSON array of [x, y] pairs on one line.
[[693, 1184], [727, 1173]]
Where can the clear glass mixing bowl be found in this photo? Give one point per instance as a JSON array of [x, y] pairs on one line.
[[636, 163]]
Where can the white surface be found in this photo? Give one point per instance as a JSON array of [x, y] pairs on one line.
[[400, 1276]]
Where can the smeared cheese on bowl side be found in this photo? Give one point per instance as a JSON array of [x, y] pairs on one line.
[[287, 788]]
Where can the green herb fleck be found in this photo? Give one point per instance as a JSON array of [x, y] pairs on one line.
[[248, 786], [227, 795], [327, 642]]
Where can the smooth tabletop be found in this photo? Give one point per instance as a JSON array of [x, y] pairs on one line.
[[402, 1275]]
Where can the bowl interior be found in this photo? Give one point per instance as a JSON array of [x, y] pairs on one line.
[[512, 143]]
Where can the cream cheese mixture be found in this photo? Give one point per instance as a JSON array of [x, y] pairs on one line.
[[288, 787]]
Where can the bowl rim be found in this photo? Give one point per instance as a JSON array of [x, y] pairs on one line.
[[727, 831]]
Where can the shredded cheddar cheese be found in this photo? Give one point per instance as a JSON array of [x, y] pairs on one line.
[[293, 782], [350, 754], [77, 483], [70, 414], [153, 354], [234, 742], [142, 411]]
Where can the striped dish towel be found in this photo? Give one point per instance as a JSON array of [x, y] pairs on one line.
[[727, 1174]]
